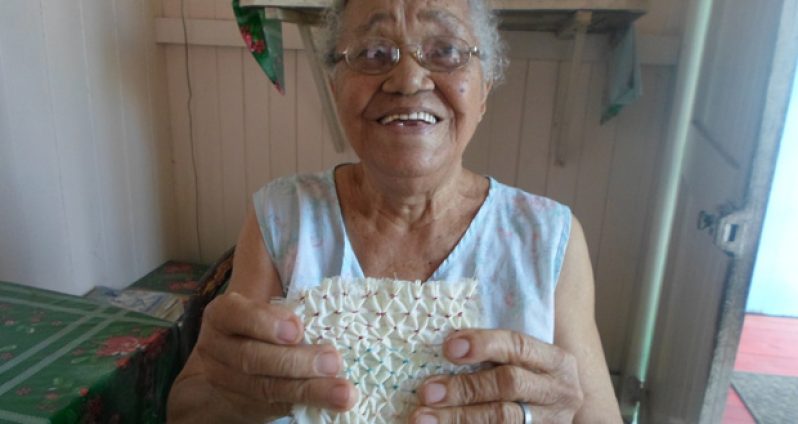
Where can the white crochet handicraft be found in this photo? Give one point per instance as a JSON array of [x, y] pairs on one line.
[[390, 335]]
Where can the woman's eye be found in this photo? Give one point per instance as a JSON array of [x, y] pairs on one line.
[[444, 53], [376, 54]]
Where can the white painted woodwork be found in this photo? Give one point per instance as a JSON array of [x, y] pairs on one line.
[[86, 195], [738, 110]]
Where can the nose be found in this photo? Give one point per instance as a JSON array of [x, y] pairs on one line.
[[408, 76]]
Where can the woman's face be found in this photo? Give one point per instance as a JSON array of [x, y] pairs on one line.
[[412, 147]]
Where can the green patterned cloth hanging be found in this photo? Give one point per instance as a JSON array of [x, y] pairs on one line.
[[264, 39]]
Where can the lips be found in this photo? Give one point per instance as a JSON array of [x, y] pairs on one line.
[[409, 117]]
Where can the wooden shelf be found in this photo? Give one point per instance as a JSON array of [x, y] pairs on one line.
[[516, 15]]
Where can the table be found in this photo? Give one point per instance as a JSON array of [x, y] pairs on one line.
[[66, 359]]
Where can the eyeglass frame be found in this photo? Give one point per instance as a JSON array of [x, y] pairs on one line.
[[335, 57]]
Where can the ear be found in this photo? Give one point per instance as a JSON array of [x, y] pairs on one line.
[[331, 83], [486, 87]]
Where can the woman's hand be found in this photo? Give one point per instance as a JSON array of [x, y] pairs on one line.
[[250, 355], [527, 370]]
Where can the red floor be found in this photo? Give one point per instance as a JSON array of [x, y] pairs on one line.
[[769, 345]]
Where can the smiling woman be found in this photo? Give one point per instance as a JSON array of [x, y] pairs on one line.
[[410, 80]]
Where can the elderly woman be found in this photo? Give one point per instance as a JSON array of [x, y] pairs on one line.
[[410, 79]]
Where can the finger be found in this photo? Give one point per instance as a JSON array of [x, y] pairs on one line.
[[495, 412], [505, 347], [253, 357], [502, 383], [328, 393], [234, 314]]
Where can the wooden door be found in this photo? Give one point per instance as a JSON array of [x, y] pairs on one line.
[[741, 101]]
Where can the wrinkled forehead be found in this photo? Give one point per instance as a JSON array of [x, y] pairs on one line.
[[364, 17]]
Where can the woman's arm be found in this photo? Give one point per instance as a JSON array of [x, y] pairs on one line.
[[575, 331]]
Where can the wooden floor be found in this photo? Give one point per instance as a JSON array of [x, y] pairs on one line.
[[769, 345]]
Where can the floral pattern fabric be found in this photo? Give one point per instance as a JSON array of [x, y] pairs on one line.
[[264, 39]]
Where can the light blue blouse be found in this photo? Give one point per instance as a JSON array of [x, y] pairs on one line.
[[514, 246]]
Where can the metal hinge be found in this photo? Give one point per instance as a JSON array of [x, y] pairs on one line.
[[727, 227]]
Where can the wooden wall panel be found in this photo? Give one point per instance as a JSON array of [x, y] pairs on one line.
[[536, 126], [562, 178], [282, 110], [73, 138], [639, 137], [309, 119], [506, 107], [29, 239], [257, 94], [597, 150], [183, 155], [232, 141], [87, 149]]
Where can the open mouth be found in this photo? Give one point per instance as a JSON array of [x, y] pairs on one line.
[[410, 119]]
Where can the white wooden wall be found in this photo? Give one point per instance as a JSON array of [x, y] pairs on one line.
[[85, 174], [245, 134]]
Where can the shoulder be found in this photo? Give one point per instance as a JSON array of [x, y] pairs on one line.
[[531, 208], [292, 184]]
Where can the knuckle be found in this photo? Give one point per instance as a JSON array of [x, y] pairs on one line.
[[524, 347], [467, 389], [247, 357], [510, 381], [287, 363]]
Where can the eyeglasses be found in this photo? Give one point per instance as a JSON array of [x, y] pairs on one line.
[[376, 56]]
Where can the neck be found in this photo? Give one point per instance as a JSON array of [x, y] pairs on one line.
[[408, 202]]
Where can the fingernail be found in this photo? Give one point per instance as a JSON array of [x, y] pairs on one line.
[[457, 348], [287, 331], [434, 393], [327, 363], [339, 395], [426, 419]]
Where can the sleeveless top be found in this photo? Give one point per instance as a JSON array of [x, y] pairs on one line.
[[514, 247]]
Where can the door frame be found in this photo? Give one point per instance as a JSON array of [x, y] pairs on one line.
[[738, 280]]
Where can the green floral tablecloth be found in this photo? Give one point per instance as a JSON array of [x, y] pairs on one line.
[[181, 278], [65, 359]]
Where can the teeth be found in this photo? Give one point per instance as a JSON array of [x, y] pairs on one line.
[[415, 116]]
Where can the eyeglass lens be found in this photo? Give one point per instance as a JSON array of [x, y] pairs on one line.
[[379, 55]]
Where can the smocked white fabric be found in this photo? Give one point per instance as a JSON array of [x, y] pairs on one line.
[[389, 334]]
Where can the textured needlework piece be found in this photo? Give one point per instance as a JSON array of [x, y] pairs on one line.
[[390, 335]]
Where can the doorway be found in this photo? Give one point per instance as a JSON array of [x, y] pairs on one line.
[[766, 367]]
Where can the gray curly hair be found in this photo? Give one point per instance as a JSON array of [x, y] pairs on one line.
[[485, 22]]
